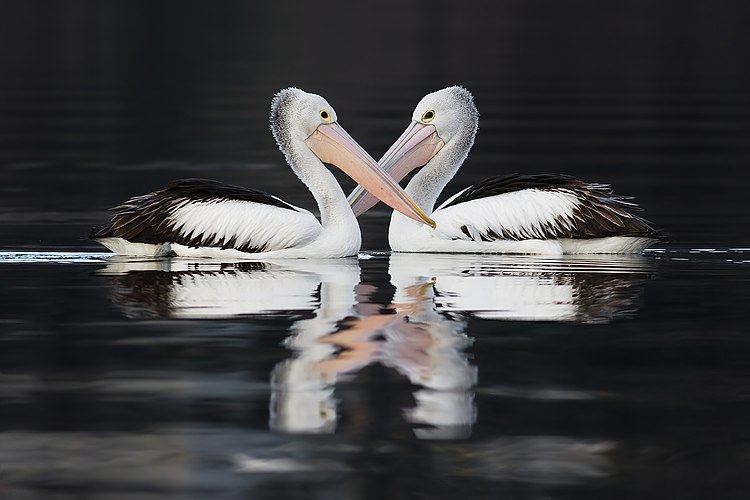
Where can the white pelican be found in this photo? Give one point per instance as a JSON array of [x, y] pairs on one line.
[[539, 214], [202, 218]]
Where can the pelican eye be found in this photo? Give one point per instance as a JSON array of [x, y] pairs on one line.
[[325, 116], [428, 116]]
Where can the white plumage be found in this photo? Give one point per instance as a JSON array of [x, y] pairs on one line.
[[523, 213], [254, 225]]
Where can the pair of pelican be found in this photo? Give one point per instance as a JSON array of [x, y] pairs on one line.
[[527, 214]]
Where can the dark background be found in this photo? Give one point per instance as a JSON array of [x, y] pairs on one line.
[[101, 100]]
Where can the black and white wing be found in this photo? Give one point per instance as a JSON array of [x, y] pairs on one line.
[[205, 213], [545, 206]]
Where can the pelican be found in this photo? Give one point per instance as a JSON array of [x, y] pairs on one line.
[[532, 214], [203, 218]]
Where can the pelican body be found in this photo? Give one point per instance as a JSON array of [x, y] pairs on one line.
[[546, 214], [203, 218]]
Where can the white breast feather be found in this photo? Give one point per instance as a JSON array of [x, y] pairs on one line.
[[254, 224], [522, 213]]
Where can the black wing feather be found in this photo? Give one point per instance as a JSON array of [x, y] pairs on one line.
[[146, 218]]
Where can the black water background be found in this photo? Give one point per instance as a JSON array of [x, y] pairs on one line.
[[104, 100]]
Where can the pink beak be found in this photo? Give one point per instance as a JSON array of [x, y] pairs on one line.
[[331, 144], [417, 145]]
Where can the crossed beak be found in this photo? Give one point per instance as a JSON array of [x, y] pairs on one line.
[[417, 145], [332, 144]]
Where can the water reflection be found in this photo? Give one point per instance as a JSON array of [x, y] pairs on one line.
[[185, 289], [574, 288], [342, 332], [339, 328], [408, 336], [429, 348]]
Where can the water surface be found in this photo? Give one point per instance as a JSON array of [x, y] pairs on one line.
[[443, 375]]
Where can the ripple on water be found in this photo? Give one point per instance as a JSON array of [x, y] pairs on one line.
[[682, 254], [736, 255], [53, 257]]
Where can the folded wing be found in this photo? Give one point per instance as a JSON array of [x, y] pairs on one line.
[[548, 206], [204, 213]]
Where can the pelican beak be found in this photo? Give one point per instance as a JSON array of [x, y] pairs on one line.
[[417, 145], [331, 144]]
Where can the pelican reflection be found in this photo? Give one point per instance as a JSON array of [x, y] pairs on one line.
[[572, 288], [339, 327], [205, 289], [337, 331], [409, 336]]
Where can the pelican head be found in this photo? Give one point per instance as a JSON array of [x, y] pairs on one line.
[[450, 112], [296, 114], [444, 125], [298, 118]]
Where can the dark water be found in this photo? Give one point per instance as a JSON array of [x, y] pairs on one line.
[[382, 376], [374, 377]]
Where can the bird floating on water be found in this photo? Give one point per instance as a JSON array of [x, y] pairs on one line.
[[203, 218], [546, 214]]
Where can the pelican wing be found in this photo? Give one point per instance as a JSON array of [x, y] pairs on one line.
[[547, 206], [204, 213]]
